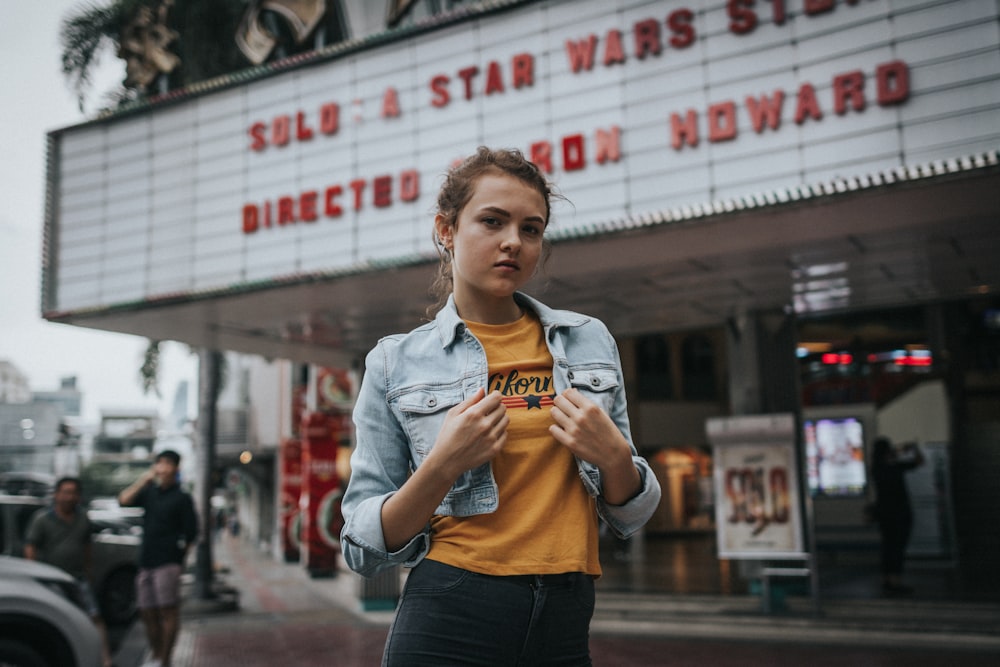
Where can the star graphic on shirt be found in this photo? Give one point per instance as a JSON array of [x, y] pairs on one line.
[[534, 401]]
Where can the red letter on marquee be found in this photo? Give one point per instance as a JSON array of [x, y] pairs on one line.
[[608, 145], [256, 132], [382, 191], [280, 129], [614, 52], [439, 86], [807, 104], [358, 186], [765, 111], [684, 130], [523, 65], [390, 103], [778, 11], [307, 206], [409, 185], [722, 121], [286, 210], [574, 158], [251, 220], [742, 18], [893, 82], [647, 38], [679, 22], [494, 78], [329, 118], [817, 6], [466, 74], [581, 54], [541, 155], [849, 86], [331, 208], [302, 131]]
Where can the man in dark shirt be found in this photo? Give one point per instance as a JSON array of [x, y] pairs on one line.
[[169, 528], [60, 536]]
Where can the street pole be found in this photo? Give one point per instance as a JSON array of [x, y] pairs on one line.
[[208, 393]]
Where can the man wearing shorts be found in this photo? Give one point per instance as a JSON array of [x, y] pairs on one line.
[[60, 536], [169, 529]]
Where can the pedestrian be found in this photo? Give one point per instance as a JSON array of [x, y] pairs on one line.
[[893, 511], [489, 441], [170, 526], [60, 536]]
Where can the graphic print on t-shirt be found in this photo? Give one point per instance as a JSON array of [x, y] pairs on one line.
[[531, 390]]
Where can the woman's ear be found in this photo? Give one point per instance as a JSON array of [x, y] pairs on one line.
[[443, 231]]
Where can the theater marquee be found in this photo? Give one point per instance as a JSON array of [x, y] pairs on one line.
[[632, 108]]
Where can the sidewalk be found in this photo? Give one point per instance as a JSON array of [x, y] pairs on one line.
[[278, 603], [266, 585]]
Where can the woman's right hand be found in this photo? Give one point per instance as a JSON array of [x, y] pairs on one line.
[[473, 433]]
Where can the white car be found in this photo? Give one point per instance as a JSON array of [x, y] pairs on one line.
[[42, 623]]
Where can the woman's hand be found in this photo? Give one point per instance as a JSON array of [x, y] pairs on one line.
[[586, 430], [473, 433]]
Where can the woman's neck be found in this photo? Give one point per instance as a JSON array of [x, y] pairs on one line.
[[488, 311]]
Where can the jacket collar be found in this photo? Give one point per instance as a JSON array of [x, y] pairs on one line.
[[449, 325]]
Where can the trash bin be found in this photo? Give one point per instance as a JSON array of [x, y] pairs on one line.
[[380, 592]]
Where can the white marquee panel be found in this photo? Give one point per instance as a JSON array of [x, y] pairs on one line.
[[167, 187]]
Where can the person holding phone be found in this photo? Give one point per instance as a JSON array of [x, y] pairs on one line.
[[170, 526]]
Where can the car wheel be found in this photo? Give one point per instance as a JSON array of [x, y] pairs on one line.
[[18, 654], [117, 598]]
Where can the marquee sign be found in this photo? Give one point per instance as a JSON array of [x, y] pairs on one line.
[[631, 109]]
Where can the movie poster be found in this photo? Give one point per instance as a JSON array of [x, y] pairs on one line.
[[757, 506]]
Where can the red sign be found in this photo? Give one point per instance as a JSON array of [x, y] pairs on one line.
[[290, 485], [319, 502]]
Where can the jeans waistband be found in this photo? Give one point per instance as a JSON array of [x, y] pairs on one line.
[[539, 580]]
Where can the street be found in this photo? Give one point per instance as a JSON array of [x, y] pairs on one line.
[[286, 618]]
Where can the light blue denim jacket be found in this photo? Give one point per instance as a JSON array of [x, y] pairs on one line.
[[412, 380]]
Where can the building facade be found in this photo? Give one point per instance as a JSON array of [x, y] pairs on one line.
[[750, 188]]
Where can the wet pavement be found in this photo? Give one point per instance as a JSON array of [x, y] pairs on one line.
[[272, 613]]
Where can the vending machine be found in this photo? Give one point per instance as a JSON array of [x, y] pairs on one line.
[[319, 502], [290, 490]]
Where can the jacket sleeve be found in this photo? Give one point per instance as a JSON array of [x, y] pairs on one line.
[[628, 518], [380, 465]]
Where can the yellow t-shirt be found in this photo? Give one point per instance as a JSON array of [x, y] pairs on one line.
[[546, 522]]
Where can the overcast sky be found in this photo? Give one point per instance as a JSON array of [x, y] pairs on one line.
[[36, 99]]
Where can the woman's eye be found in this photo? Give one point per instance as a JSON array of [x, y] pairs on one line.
[[490, 221], [534, 230]]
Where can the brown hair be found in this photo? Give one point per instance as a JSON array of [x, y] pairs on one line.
[[457, 190]]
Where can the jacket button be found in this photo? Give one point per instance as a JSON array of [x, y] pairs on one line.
[[595, 381], [431, 402], [570, 375]]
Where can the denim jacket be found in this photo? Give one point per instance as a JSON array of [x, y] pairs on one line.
[[412, 380]]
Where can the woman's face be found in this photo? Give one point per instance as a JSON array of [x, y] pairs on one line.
[[496, 244]]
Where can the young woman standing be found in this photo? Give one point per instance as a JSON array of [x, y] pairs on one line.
[[489, 441]]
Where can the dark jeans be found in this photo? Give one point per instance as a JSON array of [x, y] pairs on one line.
[[449, 616]]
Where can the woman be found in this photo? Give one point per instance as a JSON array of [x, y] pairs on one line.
[[488, 443]]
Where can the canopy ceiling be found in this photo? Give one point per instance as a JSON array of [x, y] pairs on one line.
[[897, 239]]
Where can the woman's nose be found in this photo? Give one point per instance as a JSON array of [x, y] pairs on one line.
[[511, 240]]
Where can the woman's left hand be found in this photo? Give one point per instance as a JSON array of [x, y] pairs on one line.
[[586, 430]]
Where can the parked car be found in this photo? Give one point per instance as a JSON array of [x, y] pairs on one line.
[[27, 484], [42, 621], [114, 553]]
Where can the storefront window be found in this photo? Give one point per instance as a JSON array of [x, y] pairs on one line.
[[653, 359], [698, 360]]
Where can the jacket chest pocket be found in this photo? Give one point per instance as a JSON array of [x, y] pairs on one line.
[[599, 384], [423, 411]]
